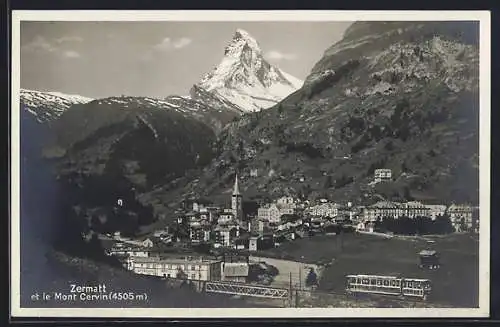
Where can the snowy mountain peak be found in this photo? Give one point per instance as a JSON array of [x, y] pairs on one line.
[[47, 106], [246, 79], [242, 40]]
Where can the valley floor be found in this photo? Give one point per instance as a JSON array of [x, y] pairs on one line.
[[455, 284]]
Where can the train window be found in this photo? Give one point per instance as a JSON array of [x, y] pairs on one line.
[[358, 280], [418, 284], [386, 282], [379, 282], [365, 281], [373, 281]]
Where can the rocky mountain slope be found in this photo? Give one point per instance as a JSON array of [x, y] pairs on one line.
[[246, 79], [398, 95], [48, 106], [148, 140]]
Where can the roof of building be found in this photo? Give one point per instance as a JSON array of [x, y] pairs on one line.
[[236, 269], [129, 248], [174, 260], [236, 188], [386, 204], [427, 253]]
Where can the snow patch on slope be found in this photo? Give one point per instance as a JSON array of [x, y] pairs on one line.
[[47, 106]]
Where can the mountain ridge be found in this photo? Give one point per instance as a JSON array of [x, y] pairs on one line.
[[406, 100]]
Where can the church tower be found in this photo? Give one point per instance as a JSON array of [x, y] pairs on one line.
[[236, 201]]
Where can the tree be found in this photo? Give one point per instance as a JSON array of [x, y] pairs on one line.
[[328, 182], [404, 167], [312, 278], [407, 194], [389, 146]]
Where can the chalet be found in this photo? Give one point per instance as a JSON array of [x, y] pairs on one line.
[[148, 243], [382, 175]]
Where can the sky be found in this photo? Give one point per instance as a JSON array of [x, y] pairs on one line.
[[156, 59]]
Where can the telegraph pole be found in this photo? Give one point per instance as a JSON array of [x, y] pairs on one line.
[[290, 295], [300, 277]]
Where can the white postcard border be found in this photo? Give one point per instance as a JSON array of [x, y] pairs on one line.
[[295, 15]]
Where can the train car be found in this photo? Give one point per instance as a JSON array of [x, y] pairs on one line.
[[388, 285], [414, 287]]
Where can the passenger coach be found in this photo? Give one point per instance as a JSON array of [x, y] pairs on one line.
[[389, 285]]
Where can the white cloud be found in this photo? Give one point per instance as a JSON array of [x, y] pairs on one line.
[[41, 45], [277, 55], [182, 42], [68, 39], [71, 54], [168, 44]]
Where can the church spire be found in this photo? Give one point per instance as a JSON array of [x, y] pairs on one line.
[[236, 189]]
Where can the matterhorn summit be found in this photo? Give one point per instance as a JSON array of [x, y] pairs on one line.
[[246, 79]]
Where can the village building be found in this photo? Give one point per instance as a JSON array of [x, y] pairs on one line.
[[273, 212], [382, 175], [235, 272], [365, 226], [415, 209], [148, 243], [120, 249], [242, 242], [199, 234], [186, 268], [286, 202], [461, 216], [160, 232], [225, 234], [385, 209], [436, 210], [330, 210], [227, 216], [211, 214]]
